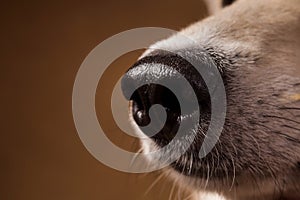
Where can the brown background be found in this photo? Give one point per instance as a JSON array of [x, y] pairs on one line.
[[42, 47]]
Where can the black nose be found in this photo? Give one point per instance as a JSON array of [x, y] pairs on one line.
[[146, 96], [139, 85], [151, 94]]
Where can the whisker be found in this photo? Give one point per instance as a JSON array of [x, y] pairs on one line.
[[154, 183], [135, 156], [172, 190], [278, 117], [287, 126], [207, 179], [289, 108], [233, 178], [293, 139]]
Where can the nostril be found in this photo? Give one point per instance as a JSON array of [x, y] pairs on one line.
[[164, 126], [140, 106], [142, 118]]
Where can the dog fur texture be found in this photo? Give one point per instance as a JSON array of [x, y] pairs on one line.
[[255, 43]]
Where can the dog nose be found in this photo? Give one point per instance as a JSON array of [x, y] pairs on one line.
[[146, 96], [141, 85]]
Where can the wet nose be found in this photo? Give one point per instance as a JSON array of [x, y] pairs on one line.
[[145, 97], [144, 76]]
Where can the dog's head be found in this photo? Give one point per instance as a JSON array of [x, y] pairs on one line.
[[255, 47]]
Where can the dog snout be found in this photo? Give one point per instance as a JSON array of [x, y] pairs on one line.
[[148, 95], [157, 79]]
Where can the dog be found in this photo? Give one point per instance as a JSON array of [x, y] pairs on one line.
[[256, 48]]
